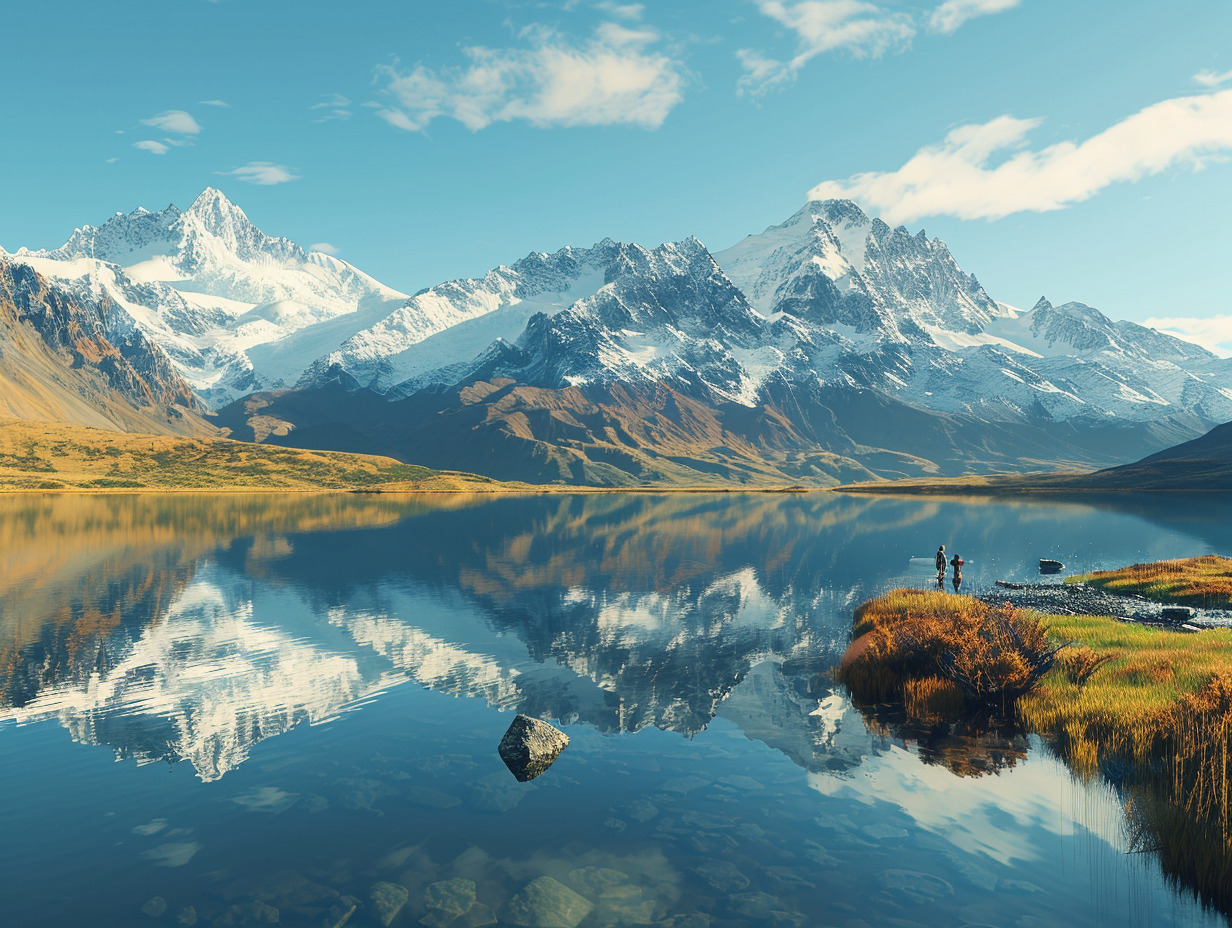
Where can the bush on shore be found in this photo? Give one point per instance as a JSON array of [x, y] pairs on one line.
[[931, 650]]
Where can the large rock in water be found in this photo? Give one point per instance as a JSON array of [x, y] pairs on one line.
[[545, 902], [530, 746]]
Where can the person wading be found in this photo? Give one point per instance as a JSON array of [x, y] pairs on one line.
[[957, 563], [941, 564]]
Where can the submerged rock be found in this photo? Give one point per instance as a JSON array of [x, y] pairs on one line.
[[546, 903], [388, 900], [155, 907], [530, 746], [447, 901]]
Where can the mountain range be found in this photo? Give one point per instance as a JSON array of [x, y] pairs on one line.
[[827, 349]]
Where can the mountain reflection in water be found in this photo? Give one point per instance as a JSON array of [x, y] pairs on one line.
[[193, 628]]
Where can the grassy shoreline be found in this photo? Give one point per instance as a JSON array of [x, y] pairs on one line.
[[1147, 709], [1205, 582]]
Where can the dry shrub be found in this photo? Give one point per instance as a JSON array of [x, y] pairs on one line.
[[1079, 664], [991, 655]]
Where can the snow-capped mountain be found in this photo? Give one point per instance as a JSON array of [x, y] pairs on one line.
[[219, 295], [832, 298], [802, 323], [849, 345], [832, 265]]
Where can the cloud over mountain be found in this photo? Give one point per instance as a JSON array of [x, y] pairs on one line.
[[986, 170]]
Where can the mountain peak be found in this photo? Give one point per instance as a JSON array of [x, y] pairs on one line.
[[217, 212], [838, 212]]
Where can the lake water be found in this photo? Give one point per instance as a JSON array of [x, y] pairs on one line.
[[246, 710]]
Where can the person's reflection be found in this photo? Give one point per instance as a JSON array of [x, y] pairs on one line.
[[957, 582]]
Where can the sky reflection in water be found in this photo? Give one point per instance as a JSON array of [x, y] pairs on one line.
[[682, 641]]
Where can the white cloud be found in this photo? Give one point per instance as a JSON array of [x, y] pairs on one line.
[[953, 13], [1213, 333], [1208, 78], [174, 121], [221, 103], [630, 11], [262, 173], [154, 148], [985, 171], [613, 78], [334, 106], [324, 248], [862, 29]]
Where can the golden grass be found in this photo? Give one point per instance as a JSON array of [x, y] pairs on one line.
[[48, 456], [1196, 581], [1123, 705], [909, 641]]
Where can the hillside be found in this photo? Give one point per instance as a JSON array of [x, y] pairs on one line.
[[1204, 464], [66, 359], [48, 456]]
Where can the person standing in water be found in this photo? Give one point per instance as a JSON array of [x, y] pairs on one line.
[[957, 563], [941, 564]]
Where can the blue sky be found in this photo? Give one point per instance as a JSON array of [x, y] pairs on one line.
[[428, 140]]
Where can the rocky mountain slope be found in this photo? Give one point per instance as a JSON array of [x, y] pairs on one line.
[[70, 360]]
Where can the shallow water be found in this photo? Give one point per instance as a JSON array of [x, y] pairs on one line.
[[226, 710]]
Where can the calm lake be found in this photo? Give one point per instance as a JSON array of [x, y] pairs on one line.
[[238, 710]]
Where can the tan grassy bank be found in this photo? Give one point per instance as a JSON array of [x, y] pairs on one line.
[[47, 456], [1196, 581]]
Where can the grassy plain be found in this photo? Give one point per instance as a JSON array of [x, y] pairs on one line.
[[48, 456]]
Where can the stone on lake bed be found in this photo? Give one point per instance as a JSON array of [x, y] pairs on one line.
[[387, 900], [447, 901], [477, 916], [546, 903], [155, 907], [530, 746]]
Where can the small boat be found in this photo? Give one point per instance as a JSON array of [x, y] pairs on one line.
[[1049, 566]]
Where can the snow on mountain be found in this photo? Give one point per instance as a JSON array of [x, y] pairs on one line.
[[831, 264], [831, 297], [453, 322], [211, 288]]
